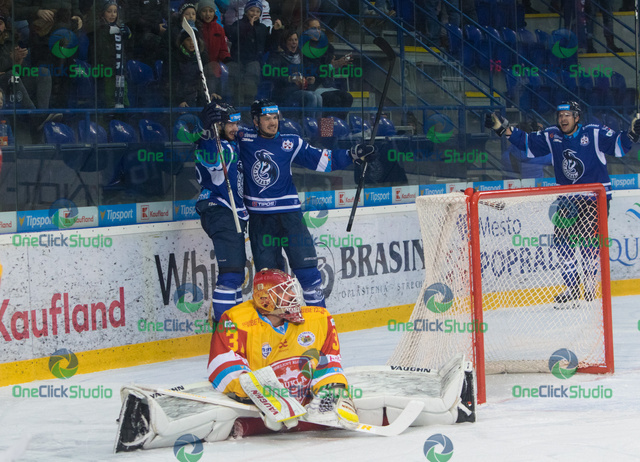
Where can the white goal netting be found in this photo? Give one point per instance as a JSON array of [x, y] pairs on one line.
[[531, 247]]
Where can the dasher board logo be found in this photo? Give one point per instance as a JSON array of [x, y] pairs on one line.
[[117, 215], [8, 222], [345, 198], [456, 187], [377, 196], [186, 210], [405, 194], [154, 212]]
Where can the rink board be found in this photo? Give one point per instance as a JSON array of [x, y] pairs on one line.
[[118, 304]]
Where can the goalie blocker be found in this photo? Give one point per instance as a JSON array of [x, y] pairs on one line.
[[153, 420]]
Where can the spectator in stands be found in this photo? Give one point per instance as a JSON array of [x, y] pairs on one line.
[[148, 21], [12, 54], [188, 90], [292, 12], [515, 162], [326, 66], [215, 43], [249, 42], [46, 17], [235, 11], [290, 78], [107, 44], [602, 6]]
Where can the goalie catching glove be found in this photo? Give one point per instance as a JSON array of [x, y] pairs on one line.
[[333, 406], [496, 122], [634, 130], [363, 152]]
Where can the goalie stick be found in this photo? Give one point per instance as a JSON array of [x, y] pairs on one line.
[[391, 56], [189, 30], [399, 425]]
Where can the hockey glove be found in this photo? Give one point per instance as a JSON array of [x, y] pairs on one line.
[[634, 130], [211, 113], [333, 406], [363, 152], [496, 122]]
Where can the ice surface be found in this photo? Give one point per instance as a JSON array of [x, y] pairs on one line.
[[508, 428]]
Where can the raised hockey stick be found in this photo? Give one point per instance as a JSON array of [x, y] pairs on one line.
[[399, 425], [189, 30], [391, 56]]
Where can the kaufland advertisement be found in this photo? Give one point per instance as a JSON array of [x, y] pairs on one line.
[[88, 298]]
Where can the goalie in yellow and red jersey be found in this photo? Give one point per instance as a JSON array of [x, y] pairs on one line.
[[272, 348]]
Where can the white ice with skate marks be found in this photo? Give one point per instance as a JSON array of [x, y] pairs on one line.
[[508, 428]]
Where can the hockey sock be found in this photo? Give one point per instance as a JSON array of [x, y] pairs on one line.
[[225, 293], [310, 281]]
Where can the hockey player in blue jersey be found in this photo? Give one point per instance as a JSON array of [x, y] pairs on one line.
[[578, 157], [272, 199], [214, 207]]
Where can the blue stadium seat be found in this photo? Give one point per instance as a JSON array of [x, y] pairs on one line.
[[386, 127], [455, 40], [585, 89], [122, 132], [340, 128], [602, 95], [356, 123], [152, 132], [623, 96], [91, 133], [58, 133], [505, 55], [311, 127], [472, 54], [289, 126], [141, 88], [542, 48], [528, 47], [81, 92], [570, 84]]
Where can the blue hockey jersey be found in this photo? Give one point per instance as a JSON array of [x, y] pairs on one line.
[[269, 184], [578, 158], [211, 177]]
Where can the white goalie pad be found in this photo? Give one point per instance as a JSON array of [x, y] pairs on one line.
[[150, 420], [375, 388]]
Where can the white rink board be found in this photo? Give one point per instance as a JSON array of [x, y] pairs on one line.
[[386, 270]]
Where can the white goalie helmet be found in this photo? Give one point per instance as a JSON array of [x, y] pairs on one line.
[[278, 294]]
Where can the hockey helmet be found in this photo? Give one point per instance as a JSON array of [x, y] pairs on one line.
[[229, 113], [263, 106], [278, 294], [569, 106]]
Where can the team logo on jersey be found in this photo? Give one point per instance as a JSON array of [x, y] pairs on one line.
[[306, 338], [287, 145], [572, 167], [266, 350], [265, 171], [584, 140]]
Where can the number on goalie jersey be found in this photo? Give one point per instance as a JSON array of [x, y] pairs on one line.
[[304, 356]]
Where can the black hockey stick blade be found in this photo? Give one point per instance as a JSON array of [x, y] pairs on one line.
[[391, 56]]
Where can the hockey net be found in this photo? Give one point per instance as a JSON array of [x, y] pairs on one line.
[[494, 263]]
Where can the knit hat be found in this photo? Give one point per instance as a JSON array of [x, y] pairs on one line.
[[185, 6], [253, 4], [107, 3], [206, 3]]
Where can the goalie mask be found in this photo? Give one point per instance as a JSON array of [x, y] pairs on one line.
[[278, 294]]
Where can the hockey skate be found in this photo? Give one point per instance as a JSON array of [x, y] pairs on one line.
[[567, 299]]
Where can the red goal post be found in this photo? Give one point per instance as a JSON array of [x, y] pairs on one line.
[[494, 263]]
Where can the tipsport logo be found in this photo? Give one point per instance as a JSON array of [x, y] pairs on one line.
[[570, 40], [185, 454], [63, 213], [180, 296], [438, 448], [438, 291], [314, 43], [561, 357], [63, 43], [63, 363], [563, 212], [439, 128], [318, 215]]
